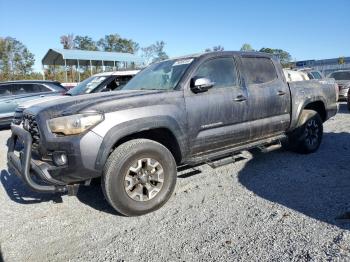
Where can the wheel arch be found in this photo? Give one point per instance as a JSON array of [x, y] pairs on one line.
[[319, 107], [316, 104], [162, 130]]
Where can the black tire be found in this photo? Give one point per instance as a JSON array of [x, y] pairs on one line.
[[307, 138], [117, 171], [348, 104]]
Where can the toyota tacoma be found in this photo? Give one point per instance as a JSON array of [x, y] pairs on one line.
[[182, 111]]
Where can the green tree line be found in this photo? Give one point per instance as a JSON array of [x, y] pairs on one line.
[[282, 55], [16, 61]]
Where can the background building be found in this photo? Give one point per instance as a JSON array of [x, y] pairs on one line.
[[326, 66]]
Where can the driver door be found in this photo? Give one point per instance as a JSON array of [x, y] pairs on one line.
[[216, 118]]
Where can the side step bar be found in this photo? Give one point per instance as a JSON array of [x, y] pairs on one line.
[[265, 145]]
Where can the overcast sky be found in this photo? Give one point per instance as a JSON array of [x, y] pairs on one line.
[[306, 29]]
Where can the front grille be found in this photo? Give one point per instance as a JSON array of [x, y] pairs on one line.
[[29, 123]]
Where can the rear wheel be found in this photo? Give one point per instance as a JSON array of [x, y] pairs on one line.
[[139, 177], [308, 137]]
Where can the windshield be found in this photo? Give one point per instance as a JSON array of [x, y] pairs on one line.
[[160, 76], [87, 86], [341, 75]]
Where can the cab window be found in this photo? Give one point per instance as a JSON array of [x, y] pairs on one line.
[[221, 71], [259, 70]]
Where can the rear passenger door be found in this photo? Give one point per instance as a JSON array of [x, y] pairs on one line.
[[269, 97]]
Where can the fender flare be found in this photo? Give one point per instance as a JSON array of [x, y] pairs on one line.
[[301, 108], [134, 126], [304, 116]]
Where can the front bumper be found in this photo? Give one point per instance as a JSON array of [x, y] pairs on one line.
[[34, 173]]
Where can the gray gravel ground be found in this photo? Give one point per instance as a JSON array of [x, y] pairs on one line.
[[272, 206]]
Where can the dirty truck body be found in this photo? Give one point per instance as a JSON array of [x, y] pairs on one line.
[[184, 111]]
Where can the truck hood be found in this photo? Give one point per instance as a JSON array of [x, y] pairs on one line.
[[100, 102], [33, 102]]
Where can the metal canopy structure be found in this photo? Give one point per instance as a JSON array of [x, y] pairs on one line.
[[73, 57]]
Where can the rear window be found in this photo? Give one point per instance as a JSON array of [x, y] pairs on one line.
[[259, 70], [340, 75], [30, 88], [316, 75], [5, 90]]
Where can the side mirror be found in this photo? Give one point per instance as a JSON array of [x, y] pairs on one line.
[[201, 84]]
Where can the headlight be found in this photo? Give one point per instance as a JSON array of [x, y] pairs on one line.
[[74, 124]]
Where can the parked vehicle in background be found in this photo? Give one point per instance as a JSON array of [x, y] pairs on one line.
[[292, 75], [312, 74], [69, 85], [13, 93], [342, 78], [182, 111], [103, 82]]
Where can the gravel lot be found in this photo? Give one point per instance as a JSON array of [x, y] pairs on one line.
[[273, 206]]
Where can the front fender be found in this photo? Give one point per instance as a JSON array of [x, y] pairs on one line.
[[134, 126]]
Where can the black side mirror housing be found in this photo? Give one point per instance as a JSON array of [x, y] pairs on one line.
[[201, 84]]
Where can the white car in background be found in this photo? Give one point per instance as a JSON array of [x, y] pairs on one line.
[[102, 82], [292, 76]]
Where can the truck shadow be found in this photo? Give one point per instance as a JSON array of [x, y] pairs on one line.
[[343, 108], [93, 196], [316, 185], [20, 193]]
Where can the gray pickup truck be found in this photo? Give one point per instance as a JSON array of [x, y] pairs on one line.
[[183, 111]]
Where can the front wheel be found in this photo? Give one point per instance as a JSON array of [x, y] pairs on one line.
[[307, 138], [139, 177]]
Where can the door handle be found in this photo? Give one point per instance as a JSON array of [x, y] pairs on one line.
[[281, 93], [240, 98]]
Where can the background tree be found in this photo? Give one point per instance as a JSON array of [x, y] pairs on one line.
[[246, 48], [16, 61], [67, 41], [154, 52], [282, 55], [84, 43], [341, 60], [115, 43], [216, 48]]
